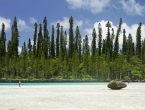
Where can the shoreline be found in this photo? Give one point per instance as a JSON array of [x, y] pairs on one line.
[[58, 81]]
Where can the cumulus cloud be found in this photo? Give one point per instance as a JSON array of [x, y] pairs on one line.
[[65, 23], [129, 29], [7, 23], [131, 7], [95, 6], [22, 26], [19, 49], [32, 20]]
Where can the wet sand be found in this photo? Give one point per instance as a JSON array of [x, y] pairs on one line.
[[72, 97]]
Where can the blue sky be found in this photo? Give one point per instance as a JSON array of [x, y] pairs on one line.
[[86, 13]]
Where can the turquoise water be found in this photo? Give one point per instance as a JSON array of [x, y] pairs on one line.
[[64, 83]]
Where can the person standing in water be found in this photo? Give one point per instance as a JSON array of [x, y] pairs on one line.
[[19, 83]]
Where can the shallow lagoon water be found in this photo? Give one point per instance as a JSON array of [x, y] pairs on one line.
[[71, 96]]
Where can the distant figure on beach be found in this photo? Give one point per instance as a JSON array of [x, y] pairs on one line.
[[19, 83], [129, 82]]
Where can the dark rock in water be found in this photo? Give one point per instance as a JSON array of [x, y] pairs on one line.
[[116, 84]]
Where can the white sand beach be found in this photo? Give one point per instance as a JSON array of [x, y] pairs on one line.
[[72, 97]]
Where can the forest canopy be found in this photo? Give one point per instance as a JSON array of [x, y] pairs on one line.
[[68, 55]]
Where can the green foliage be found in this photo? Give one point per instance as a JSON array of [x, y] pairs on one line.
[[116, 44], [47, 60], [71, 37], [94, 35], [57, 39], [52, 47], [138, 41], [113, 84]]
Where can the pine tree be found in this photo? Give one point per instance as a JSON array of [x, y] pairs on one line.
[[65, 41], [111, 44], [71, 37], [39, 41], [116, 44], [100, 39], [104, 46], [94, 35], [34, 40], [9, 49], [129, 47], [79, 47], [138, 41], [52, 51], [62, 51], [124, 47], [3, 40], [29, 46], [15, 37], [108, 40], [45, 47], [85, 44], [46, 42], [143, 51], [24, 50], [45, 30], [57, 39]]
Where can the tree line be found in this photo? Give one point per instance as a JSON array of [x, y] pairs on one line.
[[69, 56]]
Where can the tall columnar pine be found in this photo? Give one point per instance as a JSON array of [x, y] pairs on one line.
[[77, 42], [52, 46], [65, 41], [104, 46], [45, 30], [138, 41], [99, 39], [143, 52], [9, 49], [34, 40], [71, 37], [46, 47], [80, 47], [124, 47], [57, 39], [111, 43], [116, 44], [29, 46], [86, 53], [85, 44], [1, 48], [39, 41], [94, 35], [3, 41], [130, 47], [108, 41], [46, 38], [24, 50], [76, 39], [62, 50], [15, 37]]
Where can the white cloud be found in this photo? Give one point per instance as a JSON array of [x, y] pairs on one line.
[[65, 23], [129, 29], [33, 20], [22, 26], [95, 6], [7, 23], [19, 49], [131, 7]]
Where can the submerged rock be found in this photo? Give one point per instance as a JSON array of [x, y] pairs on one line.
[[116, 84]]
